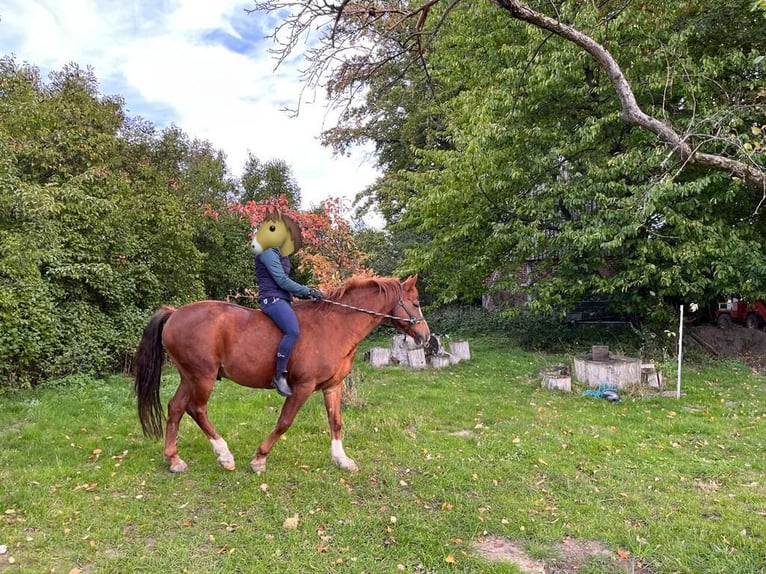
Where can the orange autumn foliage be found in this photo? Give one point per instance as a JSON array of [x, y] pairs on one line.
[[329, 253]]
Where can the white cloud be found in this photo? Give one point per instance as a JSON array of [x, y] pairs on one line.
[[203, 66]]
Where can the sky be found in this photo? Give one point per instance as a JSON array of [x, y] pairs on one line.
[[202, 65]]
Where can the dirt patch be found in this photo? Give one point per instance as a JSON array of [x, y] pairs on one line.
[[737, 342], [568, 557]]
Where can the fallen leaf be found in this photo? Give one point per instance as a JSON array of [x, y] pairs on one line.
[[450, 559], [624, 554], [292, 522]]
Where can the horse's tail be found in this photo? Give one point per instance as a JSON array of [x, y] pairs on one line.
[[149, 358]]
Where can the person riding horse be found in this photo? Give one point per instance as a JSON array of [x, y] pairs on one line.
[[278, 237]]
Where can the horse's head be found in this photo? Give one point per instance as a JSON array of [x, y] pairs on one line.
[[409, 317], [279, 231]]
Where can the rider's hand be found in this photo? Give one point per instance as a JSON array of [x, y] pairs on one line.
[[315, 294]]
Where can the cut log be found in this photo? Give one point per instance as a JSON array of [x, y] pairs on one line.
[[558, 383], [557, 378], [650, 376], [617, 372], [599, 352], [460, 350], [416, 358], [400, 346], [378, 356], [441, 360]]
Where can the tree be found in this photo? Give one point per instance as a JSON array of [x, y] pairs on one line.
[[329, 254], [393, 30], [101, 221], [263, 180], [565, 174]]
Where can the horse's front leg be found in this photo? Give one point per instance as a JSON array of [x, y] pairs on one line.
[[332, 402], [290, 408]]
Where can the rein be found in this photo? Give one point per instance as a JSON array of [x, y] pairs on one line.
[[412, 319]]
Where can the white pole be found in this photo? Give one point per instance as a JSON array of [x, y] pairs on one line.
[[680, 351]]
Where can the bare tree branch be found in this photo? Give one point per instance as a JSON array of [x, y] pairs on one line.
[[631, 112], [362, 36]]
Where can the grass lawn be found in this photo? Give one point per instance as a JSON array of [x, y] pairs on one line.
[[448, 459]]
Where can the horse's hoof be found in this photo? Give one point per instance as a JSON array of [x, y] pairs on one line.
[[258, 466], [230, 466], [346, 464], [178, 467]]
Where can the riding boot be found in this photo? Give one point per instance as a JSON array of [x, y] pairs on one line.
[[279, 382]]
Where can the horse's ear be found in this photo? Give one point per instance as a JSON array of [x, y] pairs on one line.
[[409, 283]]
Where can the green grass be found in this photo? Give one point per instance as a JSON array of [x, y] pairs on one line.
[[446, 457]]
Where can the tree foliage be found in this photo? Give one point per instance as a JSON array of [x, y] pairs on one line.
[[612, 149], [264, 180], [101, 221], [329, 254]]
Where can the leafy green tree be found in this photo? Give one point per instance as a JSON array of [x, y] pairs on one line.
[[262, 181], [102, 219], [568, 173]]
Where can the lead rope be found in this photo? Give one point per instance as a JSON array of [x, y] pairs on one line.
[[412, 320]]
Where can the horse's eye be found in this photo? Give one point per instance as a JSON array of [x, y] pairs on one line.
[[272, 227]]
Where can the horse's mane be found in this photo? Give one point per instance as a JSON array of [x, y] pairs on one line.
[[389, 286]]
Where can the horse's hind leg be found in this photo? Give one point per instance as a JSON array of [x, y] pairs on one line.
[[191, 397], [176, 410]]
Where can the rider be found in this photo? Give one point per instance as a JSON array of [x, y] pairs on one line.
[[275, 288]]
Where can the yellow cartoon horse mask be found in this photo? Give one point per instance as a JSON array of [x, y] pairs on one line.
[[278, 231]]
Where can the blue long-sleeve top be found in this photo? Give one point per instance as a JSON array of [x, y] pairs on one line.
[[271, 271]]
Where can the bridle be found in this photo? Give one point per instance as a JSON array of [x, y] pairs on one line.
[[413, 320]]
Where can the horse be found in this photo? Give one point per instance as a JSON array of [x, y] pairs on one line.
[[208, 340]]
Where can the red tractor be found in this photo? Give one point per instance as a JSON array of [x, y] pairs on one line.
[[740, 312]]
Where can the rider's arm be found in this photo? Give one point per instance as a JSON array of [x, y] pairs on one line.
[[271, 259]]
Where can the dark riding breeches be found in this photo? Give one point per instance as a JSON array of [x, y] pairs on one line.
[[281, 312]]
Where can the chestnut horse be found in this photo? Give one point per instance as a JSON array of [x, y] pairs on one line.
[[210, 339]]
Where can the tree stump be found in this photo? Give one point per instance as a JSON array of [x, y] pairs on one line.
[[441, 360], [416, 358], [617, 372], [460, 351], [650, 376], [400, 347], [378, 356], [557, 378]]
